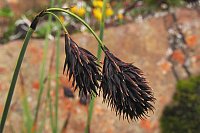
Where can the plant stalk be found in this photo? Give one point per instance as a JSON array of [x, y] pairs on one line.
[[58, 21], [57, 77], [102, 27], [99, 52], [80, 19], [14, 79], [42, 75]]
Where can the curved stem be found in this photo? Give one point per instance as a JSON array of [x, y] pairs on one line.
[[80, 19], [14, 79], [58, 20]]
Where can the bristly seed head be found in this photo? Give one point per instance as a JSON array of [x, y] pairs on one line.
[[82, 67], [125, 89]]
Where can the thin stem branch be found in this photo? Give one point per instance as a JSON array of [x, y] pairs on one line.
[[57, 68], [58, 20], [14, 79], [57, 77], [80, 19], [27, 113], [50, 104], [42, 73], [102, 26]]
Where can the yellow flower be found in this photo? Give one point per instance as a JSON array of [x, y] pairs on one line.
[[74, 9], [98, 3], [62, 19], [97, 13], [80, 11], [109, 12], [120, 16]]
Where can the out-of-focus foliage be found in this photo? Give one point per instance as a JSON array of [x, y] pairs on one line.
[[6, 12], [117, 13], [158, 2], [10, 30], [182, 116]]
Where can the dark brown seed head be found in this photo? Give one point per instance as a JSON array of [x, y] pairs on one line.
[[82, 67], [125, 89]]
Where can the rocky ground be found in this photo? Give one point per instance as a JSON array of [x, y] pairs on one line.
[[145, 44]]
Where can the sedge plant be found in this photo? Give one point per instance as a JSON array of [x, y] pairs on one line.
[[122, 84]]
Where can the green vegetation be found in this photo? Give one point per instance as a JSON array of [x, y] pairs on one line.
[[6, 12], [182, 116], [18, 66], [89, 11]]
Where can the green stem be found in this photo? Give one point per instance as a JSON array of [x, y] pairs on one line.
[[58, 20], [57, 76], [27, 113], [42, 72], [99, 52], [80, 19], [50, 104], [14, 79], [57, 67], [102, 26], [90, 111], [40, 130]]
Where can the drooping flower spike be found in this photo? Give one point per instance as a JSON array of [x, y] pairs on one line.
[[124, 88], [82, 67]]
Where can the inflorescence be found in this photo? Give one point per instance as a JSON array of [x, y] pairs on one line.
[[83, 67], [124, 88], [123, 85]]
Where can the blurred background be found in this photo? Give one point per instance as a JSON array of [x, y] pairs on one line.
[[162, 37]]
